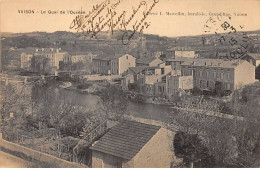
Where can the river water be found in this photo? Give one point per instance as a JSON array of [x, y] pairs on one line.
[[146, 111]]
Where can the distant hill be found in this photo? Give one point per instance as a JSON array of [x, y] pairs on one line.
[[141, 45]]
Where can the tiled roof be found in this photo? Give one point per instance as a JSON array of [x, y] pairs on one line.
[[108, 56], [254, 55], [105, 57], [179, 59], [138, 69], [119, 55], [145, 60], [126, 139], [220, 63]]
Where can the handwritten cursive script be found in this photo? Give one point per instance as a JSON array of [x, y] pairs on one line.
[[106, 16]]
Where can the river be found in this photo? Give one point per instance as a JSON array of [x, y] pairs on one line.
[[141, 110]]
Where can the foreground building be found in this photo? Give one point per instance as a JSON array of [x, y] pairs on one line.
[[132, 144]]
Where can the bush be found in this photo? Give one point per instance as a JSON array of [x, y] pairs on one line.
[[196, 91], [83, 86]]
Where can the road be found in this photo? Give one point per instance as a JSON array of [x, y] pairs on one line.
[[10, 161]]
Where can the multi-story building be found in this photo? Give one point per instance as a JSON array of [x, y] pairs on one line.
[[175, 64], [26, 61], [101, 64], [78, 58], [206, 72], [177, 84], [131, 76], [120, 64], [185, 54], [54, 56], [115, 65], [151, 76], [43, 58], [173, 85]]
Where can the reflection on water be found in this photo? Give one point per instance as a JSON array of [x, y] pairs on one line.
[[79, 99], [147, 111]]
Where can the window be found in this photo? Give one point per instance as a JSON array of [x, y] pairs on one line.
[[215, 74], [200, 73], [228, 86], [126, 57], [228, 75], [201, 83], [222, 75], [211, 84], [207, 74]]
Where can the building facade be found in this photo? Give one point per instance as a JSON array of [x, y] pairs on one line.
[[121, 64], [206, 72], [144, 146], [26, 61], [113, 65]]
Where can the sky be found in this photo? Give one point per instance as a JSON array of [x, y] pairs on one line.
[[164, 25]]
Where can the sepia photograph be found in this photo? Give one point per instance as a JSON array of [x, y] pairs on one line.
[[129, 84]]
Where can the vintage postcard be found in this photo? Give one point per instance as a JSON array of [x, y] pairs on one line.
[[129, 84]]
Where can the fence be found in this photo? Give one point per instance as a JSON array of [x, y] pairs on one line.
[[40, 142], [43, 159]]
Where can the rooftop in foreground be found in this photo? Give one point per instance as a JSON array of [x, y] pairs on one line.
[[126, 139]]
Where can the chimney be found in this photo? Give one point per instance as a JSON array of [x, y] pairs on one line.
[[205, 63]]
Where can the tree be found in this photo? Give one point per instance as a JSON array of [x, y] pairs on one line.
[[190, 148], [215, 134], [15, 99], [231, 142], [112, 106], [114, 101]]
